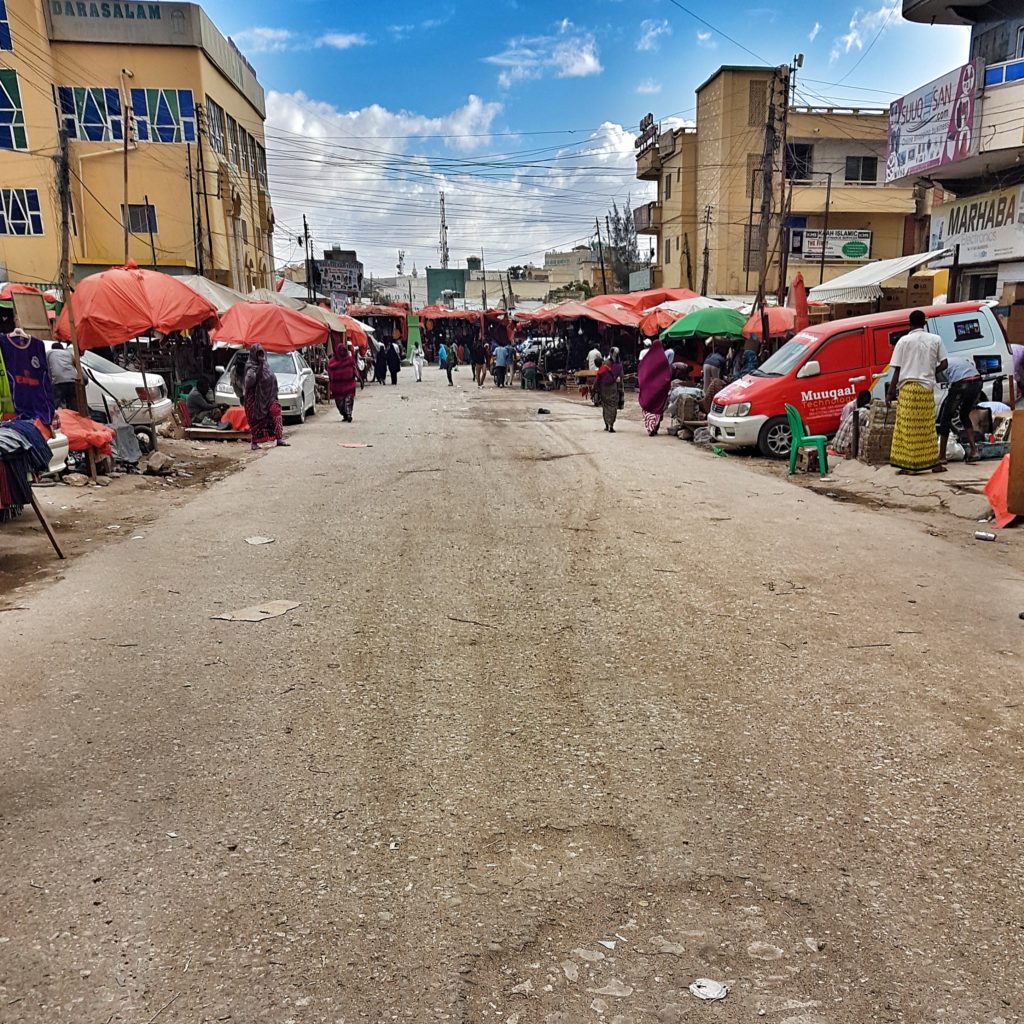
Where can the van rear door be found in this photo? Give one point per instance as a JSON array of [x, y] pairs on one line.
[[841, 359], [976, 335]]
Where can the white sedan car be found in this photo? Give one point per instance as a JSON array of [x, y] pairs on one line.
[[296, 384]]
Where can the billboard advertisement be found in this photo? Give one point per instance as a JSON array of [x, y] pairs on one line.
[[842, 244], [989, 228], [935, 125]]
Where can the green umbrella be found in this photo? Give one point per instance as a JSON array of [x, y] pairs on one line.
[[716, 322]]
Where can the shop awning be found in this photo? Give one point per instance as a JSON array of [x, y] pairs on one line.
[[864, 283]]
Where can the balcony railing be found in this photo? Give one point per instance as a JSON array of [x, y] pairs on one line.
[[1004, 74], [647, 218]]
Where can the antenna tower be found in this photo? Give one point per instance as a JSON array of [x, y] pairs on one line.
[[444, 237]]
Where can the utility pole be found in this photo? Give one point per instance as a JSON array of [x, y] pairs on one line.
[[786, 197], [201, 168], [197, 220], [600, 252], [767, 187], [126, 130], [824, 232], [689, 265], [305, 253], [443, 246], [64, 192], [149, 224], [707, 249]]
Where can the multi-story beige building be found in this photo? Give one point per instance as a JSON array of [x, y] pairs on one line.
[[827, 174], [161, 76], [577, 265]]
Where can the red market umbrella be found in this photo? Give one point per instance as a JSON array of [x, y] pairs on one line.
[[277, 328], [781, 321], [643, 301], [355, 332], [124, 302], [798, 299], [9, 290]]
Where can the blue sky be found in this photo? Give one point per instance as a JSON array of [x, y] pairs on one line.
[[521, 110]]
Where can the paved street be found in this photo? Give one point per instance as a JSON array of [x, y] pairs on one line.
[[564, 721]]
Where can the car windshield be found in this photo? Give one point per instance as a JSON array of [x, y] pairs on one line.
[[783, 361], [280, 363], [101, 365]]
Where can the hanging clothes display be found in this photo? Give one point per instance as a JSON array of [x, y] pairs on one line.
[[23, 453], [6, 400], [28, 376]]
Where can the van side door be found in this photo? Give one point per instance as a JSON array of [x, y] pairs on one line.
[[841, 359]]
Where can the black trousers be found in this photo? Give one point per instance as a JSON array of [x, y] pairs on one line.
[[448, 367], [65, 396], [960, 402]]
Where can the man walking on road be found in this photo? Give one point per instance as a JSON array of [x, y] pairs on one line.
[[502, 358], [479, 354], [916, 360]]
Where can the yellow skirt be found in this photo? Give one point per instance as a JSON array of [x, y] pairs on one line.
[[915, 443]]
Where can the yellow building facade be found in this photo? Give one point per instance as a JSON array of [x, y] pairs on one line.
[[828, 175], [162, 78]]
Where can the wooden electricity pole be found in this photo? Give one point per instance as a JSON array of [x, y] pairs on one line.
[[64, 192], [689, 264], [767, 187], [707, 250], [600, 252]]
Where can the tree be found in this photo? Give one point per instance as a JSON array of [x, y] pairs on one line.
[[622, 252], [517, 273]]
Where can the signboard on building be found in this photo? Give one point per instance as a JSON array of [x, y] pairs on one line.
[[935, 125], [989, 228], [842, 244]]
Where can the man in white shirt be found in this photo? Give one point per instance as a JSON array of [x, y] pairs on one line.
[[60, 361], [592, 357], [916, 361]]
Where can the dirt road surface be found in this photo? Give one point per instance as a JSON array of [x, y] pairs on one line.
[[564, 722]]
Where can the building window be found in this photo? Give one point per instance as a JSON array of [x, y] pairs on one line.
[[12, 117], [141, 218], [757, 103], [5, 28], [862, 170], [261, 167], [232, 140], [754, 178], [668, 186], [253, 162], [90, 114], [1020, 42], [164, 115], [799, 161], [20, 213], [215, 126], [668, 251], [243, 149]]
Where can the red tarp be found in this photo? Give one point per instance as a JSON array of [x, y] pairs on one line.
[[355, 333], [234, 417], [642, 301], [996, 492], [444, 313], [781, 321], [124, 302], [12, 289], [84, 433], [573, 310], [401, 312], [798, 298], [276, 328]]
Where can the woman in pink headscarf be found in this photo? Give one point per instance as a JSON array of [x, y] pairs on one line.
[[654, 376]]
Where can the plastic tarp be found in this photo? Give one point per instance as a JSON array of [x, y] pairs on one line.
[[642, 301], [220, 295], [330, 320], [276, 328], [83, 433], [572, 310], [121, 303], [864, 283]]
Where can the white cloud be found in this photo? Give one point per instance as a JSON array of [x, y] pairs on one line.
[[813, 34], [342, 40], [864, 26], [369, 179], [570, 53], [704, 39], [262, 39], [648, 87], [650, 31]]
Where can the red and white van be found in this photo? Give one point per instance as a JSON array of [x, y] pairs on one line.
[[826, 366]]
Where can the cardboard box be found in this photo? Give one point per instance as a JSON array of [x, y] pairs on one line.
[[1015, 481], [1012, 293], [1015, 325]]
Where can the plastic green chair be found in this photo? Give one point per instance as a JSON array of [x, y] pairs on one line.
[[803, 440]]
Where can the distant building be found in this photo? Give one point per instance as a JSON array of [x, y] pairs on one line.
[[962, 132], [340, 275], [830, 177], [577, 265], [193, 112]]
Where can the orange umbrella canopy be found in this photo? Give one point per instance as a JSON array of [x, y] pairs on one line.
[[355, 332], [781, 320], [641, 301], [124, 302], [276, 328]]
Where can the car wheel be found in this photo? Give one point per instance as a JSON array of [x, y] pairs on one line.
[[775, 438]]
